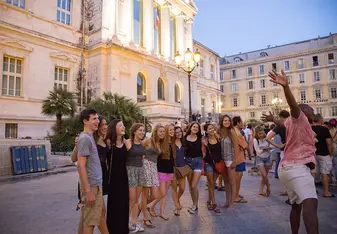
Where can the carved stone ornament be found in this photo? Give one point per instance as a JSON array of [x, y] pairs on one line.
[[63, 56], [15, 43]]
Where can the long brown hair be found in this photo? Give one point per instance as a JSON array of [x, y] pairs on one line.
[[133, 129], [167, 144], [96, 133], [189, 130], [155, 139], [224, 131], [174, 149]]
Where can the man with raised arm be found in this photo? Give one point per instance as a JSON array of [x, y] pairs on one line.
[[298, 160]]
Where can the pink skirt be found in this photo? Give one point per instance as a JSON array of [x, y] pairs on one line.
[[163, 177]]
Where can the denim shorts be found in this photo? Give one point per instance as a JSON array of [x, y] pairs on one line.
[[263, 161], [208, 167], [241, 167], [194, 163]]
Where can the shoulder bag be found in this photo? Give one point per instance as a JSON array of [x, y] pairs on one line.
[[183, 171], [219, 166]]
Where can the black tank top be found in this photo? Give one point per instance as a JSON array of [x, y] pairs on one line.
[[193, 149]]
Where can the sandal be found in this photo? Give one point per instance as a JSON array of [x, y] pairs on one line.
[[177, 212], [209, 205], [263, 194], [216, 208], [153, 214], [268, 190], [163, 217], [148, 223], [331, 196], [241, 201]]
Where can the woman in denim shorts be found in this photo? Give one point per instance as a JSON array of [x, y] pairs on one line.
[[213, 155], [263, 158], [193, 158]]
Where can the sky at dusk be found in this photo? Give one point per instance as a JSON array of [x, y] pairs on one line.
[[232, 26]]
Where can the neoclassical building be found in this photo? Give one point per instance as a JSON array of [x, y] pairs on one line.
[[311, 67], [121, 46]]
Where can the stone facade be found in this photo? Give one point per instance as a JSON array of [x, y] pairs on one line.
[[126, 42], [311, 67]]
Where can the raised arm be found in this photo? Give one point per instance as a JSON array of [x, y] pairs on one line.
[[270, 118], [282, 80]]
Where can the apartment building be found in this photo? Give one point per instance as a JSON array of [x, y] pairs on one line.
[[311, 68]]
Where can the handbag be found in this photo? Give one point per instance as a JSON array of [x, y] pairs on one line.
[[183, 171]]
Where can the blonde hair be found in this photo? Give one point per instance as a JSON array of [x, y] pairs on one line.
[[155, 139], [167, 142]]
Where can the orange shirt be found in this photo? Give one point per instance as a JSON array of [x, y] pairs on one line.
[[242, 145]]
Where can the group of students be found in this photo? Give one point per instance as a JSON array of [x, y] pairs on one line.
[[144, 167], [127, 169]]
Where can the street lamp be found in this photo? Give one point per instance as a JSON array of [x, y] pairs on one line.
[[188, 63], [277, 102]]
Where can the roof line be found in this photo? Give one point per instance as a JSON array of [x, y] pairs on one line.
[[205, 47], [296, 42]]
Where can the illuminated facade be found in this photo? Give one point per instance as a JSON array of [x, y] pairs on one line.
[[128, 48]]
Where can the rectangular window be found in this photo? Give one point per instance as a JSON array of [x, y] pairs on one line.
[[263, 99], [316, 76], [273, 84], [303, 95], [61, 78], [251, 101], [234, 87], [332, 74], [221, 88], [201, 68], [11, 76], [274, 66], [251, 85], [331, 58], [301, 78], [212, 71], [235, 102], [221, 76], [137, 10], [318, 94], [11, 130], [172, 36], [333, 93], [333, 111], [233, 74], [261, 69], [157, 27], [63, 11], [250, 71], [319, 110], [263, 83], [252, 114], [314, 61], [290, 79], [18, 3], [286, 65], [300, 64]]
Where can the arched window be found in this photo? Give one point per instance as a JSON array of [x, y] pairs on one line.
[[141, 88], [160, 86], [263, 54], [238, 59], [177, 97]]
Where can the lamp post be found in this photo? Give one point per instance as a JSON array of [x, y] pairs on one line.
[[187, 64], [277, 102]]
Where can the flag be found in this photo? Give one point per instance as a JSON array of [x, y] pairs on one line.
[[157, 20]]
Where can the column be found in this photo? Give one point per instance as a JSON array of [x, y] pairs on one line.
[[180, 40], [128, 20], [189, 43], [108, 19], [148, 24], [165, 30]]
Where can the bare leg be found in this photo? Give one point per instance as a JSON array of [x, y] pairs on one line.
[[295, 217], [238, 183], [194, 187], [232, 185], [325, 181], [103, 228], [134, 197], [310, 215], [163, 200], [210, 180], [88, 229], [227, 187], [181, 191], [174, 189], [145, 195], [163, 192]]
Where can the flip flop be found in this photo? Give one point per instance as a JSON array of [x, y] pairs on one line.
[[148, 223], [165, 218], [241, 201], [154, 214], [263, 194], [240, 196], [332, 195], [177, 212]]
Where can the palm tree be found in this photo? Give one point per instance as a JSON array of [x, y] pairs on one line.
[[115, 106], [60, 103]]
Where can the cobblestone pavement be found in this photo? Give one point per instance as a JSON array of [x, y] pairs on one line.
[[47, 206]]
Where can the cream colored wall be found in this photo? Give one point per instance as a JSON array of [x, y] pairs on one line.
[[242, 81]]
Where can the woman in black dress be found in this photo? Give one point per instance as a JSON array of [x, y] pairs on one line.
[[118, 198]]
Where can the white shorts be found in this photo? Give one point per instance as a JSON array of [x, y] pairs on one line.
[[324, 164], [228, 163], [298, 182]]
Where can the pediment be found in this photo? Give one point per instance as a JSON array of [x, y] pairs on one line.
[[63, 56], [15, 43]]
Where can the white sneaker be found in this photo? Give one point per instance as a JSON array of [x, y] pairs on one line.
[[133, 228], [140, 227], [193, 209]]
